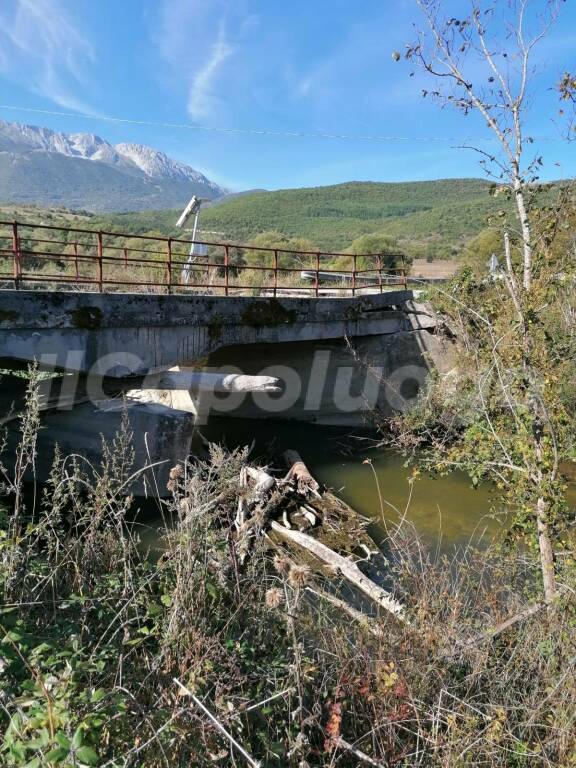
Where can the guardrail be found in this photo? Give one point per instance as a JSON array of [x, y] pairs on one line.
[[86, 260]]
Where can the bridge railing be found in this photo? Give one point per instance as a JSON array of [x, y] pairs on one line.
[[47, 256]]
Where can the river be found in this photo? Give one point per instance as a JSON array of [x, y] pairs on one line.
[[446, 511]]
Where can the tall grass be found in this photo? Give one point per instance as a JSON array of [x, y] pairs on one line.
[[94, 633]]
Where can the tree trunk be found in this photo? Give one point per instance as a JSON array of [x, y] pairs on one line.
[[300, 473], [526, 234], [546, 552], [204, 381]]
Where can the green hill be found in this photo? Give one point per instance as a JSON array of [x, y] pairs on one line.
[[334, 216], [433, 218], [429, 218]]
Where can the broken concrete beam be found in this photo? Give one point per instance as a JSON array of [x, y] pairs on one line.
[[201, 381]]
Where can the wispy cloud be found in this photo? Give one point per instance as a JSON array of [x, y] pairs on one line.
[[200, 98], [42, 50], [193, 39], [355, 66]]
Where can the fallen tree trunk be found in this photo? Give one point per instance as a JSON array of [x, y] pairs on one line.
[[299, 472], [185, 390], [204, 381], [198, 382], [344, 566]]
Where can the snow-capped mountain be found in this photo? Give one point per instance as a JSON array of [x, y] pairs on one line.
[[155, 163], [38, 165]]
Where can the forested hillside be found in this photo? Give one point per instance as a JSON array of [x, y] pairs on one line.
[[334, 216], [429, 219], [435, 218]]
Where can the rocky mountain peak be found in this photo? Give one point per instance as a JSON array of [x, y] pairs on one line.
[[156, 163], [83, 170], [19, 137]]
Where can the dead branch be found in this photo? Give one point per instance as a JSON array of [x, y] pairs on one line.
[[358, 753], [343, 566], [217, 723], [358, 616]]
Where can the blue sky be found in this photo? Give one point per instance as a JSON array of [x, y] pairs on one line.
[[308, 66]]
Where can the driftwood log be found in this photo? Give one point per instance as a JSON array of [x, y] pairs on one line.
[[178, 387], [204, 381], [265, 502], [342, 566], [298, 472], [260, 491]]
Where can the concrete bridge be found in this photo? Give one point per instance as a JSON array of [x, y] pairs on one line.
[[113, 312], [338, 360], [119, 335]]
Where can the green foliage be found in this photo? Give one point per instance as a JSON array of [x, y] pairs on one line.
[[430, 218], [379, 243], [333, 217], [288, 250], [479, 250], [483, 421], [375, 242], [433, 216]]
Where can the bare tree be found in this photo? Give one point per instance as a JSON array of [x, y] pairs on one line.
[[482, 64], [567, 92]]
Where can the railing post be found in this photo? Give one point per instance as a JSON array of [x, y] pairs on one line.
[[317, 281], [17, 267], [226, 269], [125, 251], [380, 272], [403, 260], [100, 266], [275, 271], [76, 271], [354, 265], [168, 264]]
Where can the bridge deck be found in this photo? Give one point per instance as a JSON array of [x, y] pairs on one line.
[[125, 334]]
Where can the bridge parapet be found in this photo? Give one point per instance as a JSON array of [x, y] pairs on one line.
[[35, 254], [133, 334]]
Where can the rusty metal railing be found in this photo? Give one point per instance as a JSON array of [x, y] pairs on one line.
[[44, 255]]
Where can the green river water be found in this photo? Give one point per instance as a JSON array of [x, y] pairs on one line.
[[446, 511]]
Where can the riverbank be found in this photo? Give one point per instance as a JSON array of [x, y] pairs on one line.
[[110, 658]]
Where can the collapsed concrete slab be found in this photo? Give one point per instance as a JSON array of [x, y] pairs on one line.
[[161, 436]]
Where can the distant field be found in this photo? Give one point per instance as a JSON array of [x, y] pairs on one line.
[[440, 269], [430, 219]]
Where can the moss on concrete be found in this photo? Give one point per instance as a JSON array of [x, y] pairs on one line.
[[56, 298], [87, 318], [215, 328], [353, 312], [259, 314]]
